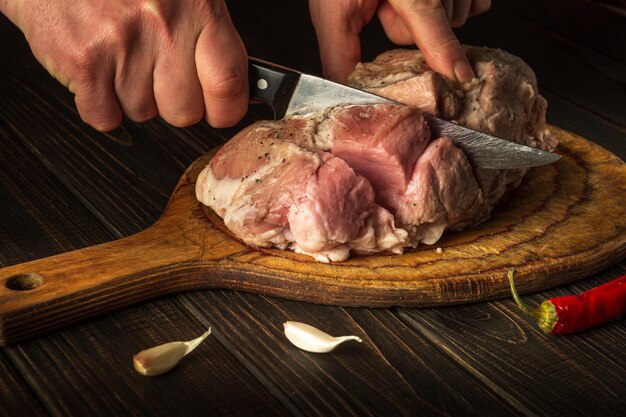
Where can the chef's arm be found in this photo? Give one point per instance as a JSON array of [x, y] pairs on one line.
[[182, 60], [425, 23]]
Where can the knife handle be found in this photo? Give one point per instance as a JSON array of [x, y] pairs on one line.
[[271, 84]]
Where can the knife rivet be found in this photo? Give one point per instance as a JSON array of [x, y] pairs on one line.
[[261, 84]]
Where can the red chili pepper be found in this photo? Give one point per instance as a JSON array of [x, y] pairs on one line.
[[575, 313]]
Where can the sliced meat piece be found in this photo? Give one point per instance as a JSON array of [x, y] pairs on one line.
[[502, 100], [272, 192], [427, 189], [380, 142], [442, 194]]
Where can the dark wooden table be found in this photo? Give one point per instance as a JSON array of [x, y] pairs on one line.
[[64, 186]]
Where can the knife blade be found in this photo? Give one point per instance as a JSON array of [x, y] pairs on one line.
[[289, 92]]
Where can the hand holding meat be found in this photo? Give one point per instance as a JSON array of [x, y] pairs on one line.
[[426, 23], [182, 60]]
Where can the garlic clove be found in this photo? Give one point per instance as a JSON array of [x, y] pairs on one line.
[[311, 339], [162, 358]]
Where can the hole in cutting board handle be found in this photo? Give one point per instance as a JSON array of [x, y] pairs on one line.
[[24, 282]]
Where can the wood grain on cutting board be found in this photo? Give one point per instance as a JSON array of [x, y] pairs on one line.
[[566, 221]]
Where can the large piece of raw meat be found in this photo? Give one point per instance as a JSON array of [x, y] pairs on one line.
[[369, 178]]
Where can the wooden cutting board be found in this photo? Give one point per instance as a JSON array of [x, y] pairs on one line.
[[566, 221]]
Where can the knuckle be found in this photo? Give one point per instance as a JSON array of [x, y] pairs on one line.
[[101, 115], [225, 119], [141, 113], [89, 61], [446, 46], [83, 60], [116, 40], [183, 119], [224, 86], [138, 105]]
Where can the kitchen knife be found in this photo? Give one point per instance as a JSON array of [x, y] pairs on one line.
[[288, 92]]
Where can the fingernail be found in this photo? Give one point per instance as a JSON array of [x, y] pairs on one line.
[[463, 71]]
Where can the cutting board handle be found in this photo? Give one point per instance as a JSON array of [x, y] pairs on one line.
[[46, 294]]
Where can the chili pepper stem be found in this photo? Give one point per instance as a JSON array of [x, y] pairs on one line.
[[545, 313]]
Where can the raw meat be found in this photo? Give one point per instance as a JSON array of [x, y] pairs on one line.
[[330, 183], [427, 186], [367, 178], [270, 191], [502, 100]]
